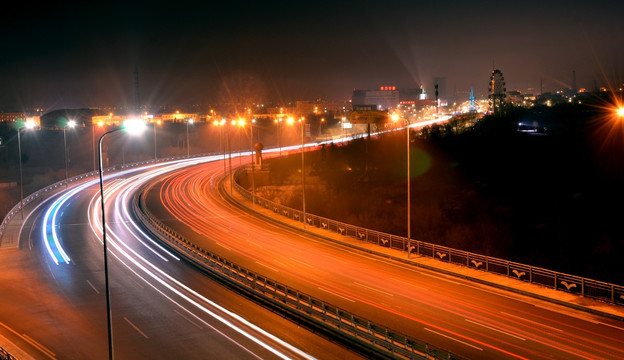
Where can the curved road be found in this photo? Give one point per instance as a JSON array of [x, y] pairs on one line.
[[468, 319], [53, 290]]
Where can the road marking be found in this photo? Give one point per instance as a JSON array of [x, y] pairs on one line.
[[495, 329], [187, 319], [93, 287], [440, 278], [302, 263], [371, 288], [267, 266], [613, 326], [333, 293], [532, 322], [31, 341], [452, 338], [136, 328], [409, 284], [223, 246], [43, 349], [254, 244]]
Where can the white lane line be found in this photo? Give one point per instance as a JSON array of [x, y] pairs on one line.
[[452, 338], [187, 319], [333, 293], [223, 246], [409, 284], [136, 328], [495, 329], [440, 278], [267, 266], [613, 326], [93, 287], [372, 288], [532, 322], [302, 263]]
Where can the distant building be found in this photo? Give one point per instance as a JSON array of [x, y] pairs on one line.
[[178, 117], [14, 117], [303, 108], [11, 117], [387, 97]]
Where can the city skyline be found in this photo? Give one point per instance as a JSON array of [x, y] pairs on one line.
[[79, 55]]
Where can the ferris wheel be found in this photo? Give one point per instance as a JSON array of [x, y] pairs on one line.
[[497, 92]]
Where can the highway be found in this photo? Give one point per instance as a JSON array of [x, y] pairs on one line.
[[472, 320], [53, 303]]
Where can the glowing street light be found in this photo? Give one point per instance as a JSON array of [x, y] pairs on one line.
[[279, 135], [409, 222], [620, 112], [155, 123], [28, 125], [188, 145], [302, 123], [70, 124], [134, 126]]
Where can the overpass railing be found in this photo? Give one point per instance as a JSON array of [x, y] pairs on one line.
[[374, 338], [573, 284]]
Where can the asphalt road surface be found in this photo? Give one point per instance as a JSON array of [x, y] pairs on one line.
[[472, 320], [53, 303]]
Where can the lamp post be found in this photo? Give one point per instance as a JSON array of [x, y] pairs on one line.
[[70, 124], [19, 155], [155, 155], [229, 145], [302, 121], [221, 138], [253, 165], [279, 135], [188, 145], [93, 144], [132, 126], [409, 234], [27, 125]]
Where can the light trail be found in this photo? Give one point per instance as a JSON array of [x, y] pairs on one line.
[[190, 196], [123, 251]]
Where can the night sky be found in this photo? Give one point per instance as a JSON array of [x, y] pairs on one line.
[[70, 55]]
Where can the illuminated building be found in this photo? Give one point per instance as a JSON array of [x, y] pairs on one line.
[[387, 97]]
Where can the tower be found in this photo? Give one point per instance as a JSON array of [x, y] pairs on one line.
[[471, 98], [574, 91]]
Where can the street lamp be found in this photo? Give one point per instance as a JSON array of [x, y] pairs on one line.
[[27, 125], [188, 145], [409, 234], [70, 124], [241, 123], [302, 122], [132, 127], [156, 122], [279, 135], [253, 164], [229, 145], [221, 140]]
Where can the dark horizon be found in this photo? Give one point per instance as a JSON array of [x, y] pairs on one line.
[[77, 55]]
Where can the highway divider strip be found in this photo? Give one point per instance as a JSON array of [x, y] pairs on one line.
[[366, 336]]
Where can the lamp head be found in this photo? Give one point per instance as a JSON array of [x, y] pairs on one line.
[[134, 126]]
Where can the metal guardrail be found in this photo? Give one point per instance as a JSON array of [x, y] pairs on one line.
[[18, 207], [5, 355], [573, 284], [375, 337]]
